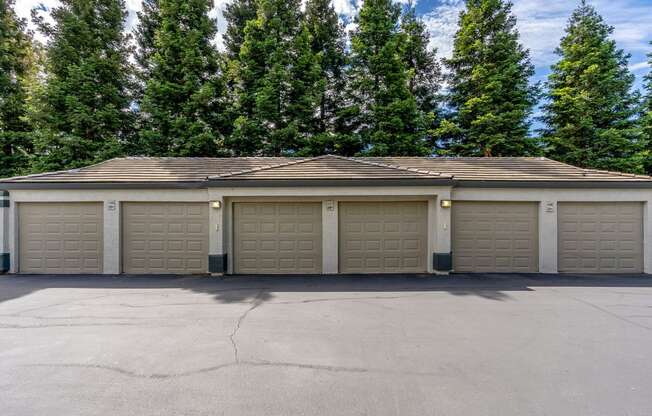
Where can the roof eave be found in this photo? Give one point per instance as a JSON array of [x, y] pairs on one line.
[[563, 184], [378, 182], [103, 185], [375, 182]]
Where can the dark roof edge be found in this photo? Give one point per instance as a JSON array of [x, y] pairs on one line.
[[103, 185], [585, 184], [250, 183]]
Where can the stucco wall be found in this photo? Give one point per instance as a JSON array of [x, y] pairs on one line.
[[439, 219]]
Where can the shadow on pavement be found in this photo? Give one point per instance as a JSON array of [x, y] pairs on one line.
[[247, 289]]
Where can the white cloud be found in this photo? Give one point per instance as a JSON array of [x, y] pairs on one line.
[[442, 24], [639, 66], [541, 24]]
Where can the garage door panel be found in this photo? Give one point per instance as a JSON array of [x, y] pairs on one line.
[[277, 237], [600, 237], [383, 237], [495, 236], [165, 237], [58, 238]]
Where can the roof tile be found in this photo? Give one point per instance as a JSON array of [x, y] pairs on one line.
[[167, 170]]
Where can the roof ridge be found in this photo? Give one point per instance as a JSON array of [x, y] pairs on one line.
[[350, 159], [398, 167], [266, 167]]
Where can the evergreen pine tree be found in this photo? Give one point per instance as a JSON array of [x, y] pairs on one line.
[[490, 98], [184, 96], [149, 21], [591, 106], [237, 14], [84, 112], [425, 76], [387, 115], [276, 74], [328, 132], [15, 60], [646, 117]]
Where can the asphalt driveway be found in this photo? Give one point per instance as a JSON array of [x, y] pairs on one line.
[[523, 345]]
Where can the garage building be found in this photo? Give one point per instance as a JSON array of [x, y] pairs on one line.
[[326, 215]]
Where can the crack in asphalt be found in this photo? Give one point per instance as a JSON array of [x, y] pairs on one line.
[[271, 364], [52, 305], [606, 311], [257, 301]]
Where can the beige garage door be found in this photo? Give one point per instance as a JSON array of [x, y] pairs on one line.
[[383, 237], [596, 237], [60, 237], [277, 237], [165, 237], [495, 237]]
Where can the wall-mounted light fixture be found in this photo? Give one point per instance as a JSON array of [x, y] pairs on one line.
[[446, 203], [216, 204]]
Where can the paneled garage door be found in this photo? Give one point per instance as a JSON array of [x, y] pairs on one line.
[[165, 237], [600, 237], [383, 237], [277, 237], [495, 237], [60, 237]]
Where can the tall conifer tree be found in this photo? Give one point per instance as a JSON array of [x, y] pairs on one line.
[[237, 14], [15, 59], [646, 117], [329, 133], [149, 22], [84, 113], [388, 118], [184, 96], [591, 107], [490, 97], [425, 76], [276, 75]]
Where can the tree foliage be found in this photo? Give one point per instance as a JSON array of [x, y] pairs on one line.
[[424, 71], [16, 59], [490, 96], [183, 98], [387, 114], [646, 115], [292, 82], [329, 132], [237, 14], [149, 22], [84, 112], [275, 86], [591, 109]]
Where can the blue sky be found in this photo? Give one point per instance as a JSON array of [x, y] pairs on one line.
[[540, 22]]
